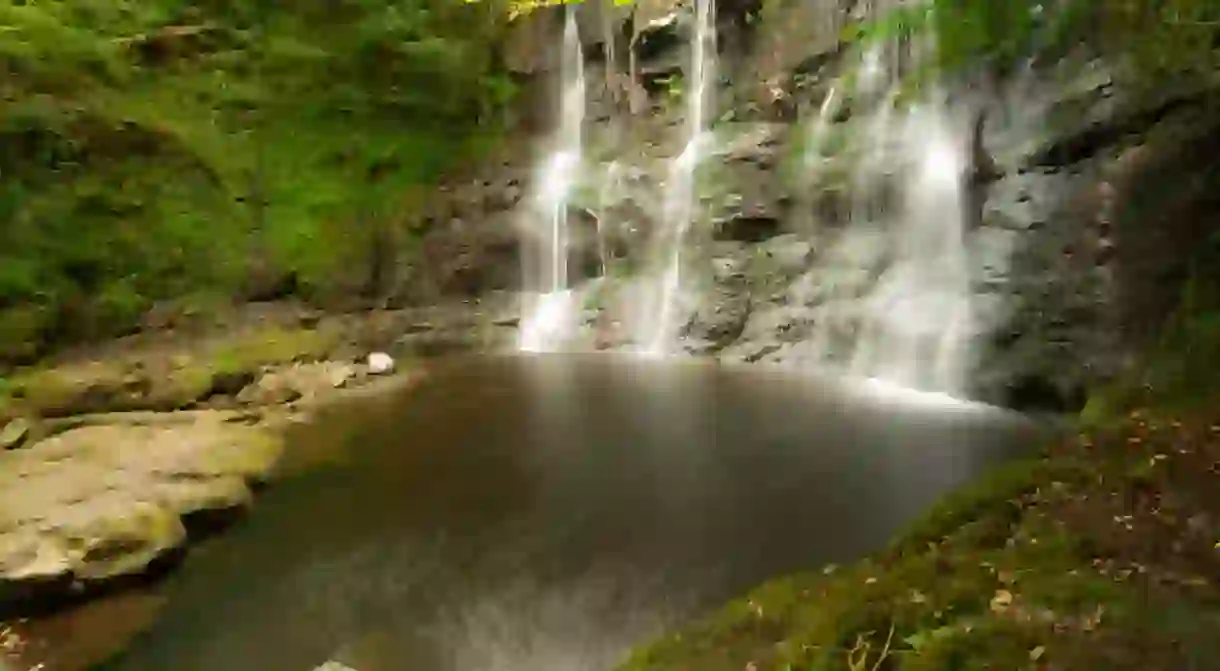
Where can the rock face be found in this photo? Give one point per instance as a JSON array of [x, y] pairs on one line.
[[101, 502], [1067, 247]]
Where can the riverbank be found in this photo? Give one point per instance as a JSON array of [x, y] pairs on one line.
[[117, 458], [1103, 552]]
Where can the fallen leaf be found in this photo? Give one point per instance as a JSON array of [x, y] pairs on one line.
[[1036, 653], [1001, 601]]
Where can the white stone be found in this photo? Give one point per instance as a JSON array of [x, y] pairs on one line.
[[380, 363]]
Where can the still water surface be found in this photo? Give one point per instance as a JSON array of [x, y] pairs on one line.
[[528, 513]]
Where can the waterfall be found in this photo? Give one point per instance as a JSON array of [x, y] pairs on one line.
[[889, 298], [916, 319], [679, 202], [911, 326], [552, 314]]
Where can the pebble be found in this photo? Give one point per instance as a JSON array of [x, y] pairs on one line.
[[380, 363]]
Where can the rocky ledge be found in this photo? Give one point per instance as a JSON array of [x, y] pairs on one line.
[[112, 460], [100, 502]]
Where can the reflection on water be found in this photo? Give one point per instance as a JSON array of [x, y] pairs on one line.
[[546, 513]]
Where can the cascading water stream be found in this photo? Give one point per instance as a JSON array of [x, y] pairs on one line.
[[679, 203], [910, 324], [552, 316], [916, 317]]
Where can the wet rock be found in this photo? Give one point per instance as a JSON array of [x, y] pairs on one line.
[[787, 254], [757, 352], [102, 502], [719, 319], [761, 145], [730, 267]]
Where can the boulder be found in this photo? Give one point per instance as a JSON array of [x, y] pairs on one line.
[[98, 503]]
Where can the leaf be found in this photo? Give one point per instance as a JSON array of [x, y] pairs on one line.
[[1001, 601]]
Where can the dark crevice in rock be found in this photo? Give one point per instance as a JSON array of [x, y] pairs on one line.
[[749, 228]]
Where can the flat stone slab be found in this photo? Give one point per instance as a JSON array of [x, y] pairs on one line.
[[103, 501]]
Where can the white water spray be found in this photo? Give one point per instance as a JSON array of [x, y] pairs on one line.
[[679, 205], [551, 316], [910, 324], [916, 319]]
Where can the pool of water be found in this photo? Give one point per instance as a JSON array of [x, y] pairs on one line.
[[525, 513]]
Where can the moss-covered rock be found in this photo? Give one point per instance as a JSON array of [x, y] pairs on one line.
[[101, 502], [162, 379]]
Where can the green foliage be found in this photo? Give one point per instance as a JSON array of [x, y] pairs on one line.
[[1154, 37], [150, 148]]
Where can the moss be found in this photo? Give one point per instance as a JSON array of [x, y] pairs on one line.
[[160, 382], [22, 332], [268, 346], [291, 132], [1082, 559], [69, 389]]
